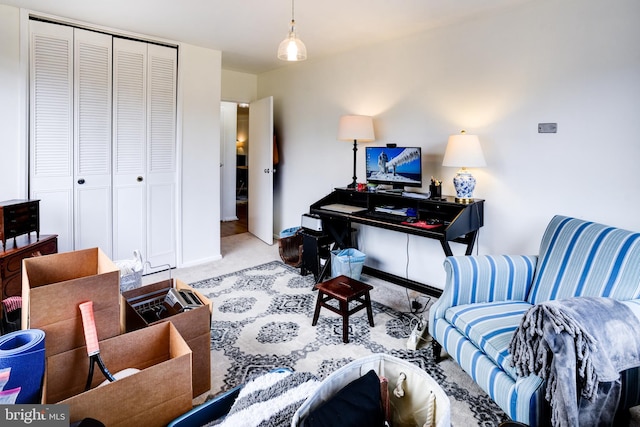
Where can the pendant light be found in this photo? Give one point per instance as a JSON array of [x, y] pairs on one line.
[[292, 48]]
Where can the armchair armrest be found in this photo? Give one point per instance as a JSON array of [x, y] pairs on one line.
[[484, 278]]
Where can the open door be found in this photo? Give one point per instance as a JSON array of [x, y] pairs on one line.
[[260, 158]]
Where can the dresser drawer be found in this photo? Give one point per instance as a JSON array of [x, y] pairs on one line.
[[11, 261], [44, 247], [12, 286]]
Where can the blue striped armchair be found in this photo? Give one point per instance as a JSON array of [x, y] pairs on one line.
[[485, 297]]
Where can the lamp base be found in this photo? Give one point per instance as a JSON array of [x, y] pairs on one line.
[[464, 184], [463, 200]]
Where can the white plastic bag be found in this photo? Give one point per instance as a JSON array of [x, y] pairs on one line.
[[130, 272]]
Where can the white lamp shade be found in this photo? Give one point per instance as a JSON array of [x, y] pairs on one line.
[[353, 128], [464, 150]]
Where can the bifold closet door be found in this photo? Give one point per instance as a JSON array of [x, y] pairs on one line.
[[144, 151], [92, 140], [129, 147], [51, 128], [162, 156], [70, 134]]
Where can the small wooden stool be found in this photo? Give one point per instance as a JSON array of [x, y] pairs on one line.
[[344, 289]]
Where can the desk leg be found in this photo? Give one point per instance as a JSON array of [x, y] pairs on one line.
[[446, 248], [325, 269], [469, 239], [472, 240]]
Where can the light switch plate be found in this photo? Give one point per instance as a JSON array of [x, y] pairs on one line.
[[547, 127]]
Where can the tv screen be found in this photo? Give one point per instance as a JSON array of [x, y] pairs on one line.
[[397, 166]]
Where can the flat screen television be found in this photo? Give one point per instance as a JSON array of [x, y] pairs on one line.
[[396, 166]]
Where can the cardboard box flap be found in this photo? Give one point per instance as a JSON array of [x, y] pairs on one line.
[[57, 303], [142, 349], [69, 333], [66, 266], [53, 287], [154, 396]]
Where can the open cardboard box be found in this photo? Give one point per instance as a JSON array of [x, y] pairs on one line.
[[54, 285], [159, 393], [194, 325]]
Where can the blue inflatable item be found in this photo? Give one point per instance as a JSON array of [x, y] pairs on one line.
[[23, 352]]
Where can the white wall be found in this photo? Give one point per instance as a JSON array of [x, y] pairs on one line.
[[12, 107], [200, 81], [574, 62], [239, 87]]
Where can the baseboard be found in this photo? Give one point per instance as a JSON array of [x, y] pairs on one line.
[[200, 261], [407, 283]]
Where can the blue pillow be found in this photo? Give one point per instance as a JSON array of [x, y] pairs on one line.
[[357, 404]]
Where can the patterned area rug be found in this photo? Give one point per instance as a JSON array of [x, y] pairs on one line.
[[262, 320]]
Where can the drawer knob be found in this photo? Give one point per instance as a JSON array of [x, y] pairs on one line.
[[81, 181]]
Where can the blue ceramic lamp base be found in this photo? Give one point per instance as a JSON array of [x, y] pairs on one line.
[[464, 184]]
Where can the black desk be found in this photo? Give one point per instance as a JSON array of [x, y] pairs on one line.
[[455, 222]]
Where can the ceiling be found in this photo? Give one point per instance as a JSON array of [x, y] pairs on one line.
[[248, 32]]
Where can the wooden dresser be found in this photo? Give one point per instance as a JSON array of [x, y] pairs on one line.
[[19, 217], [26, 246]]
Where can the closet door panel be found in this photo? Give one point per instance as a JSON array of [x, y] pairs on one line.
[[51, 128], [92, 140], [129, 147], [161, 159]]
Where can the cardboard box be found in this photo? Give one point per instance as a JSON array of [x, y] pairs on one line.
[[159, 393], [54, 285], [194, 326]]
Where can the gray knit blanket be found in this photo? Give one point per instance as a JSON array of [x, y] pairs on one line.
[[579, 346]]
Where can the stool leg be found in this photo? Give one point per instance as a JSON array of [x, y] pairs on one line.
[[344, 309], [316, 313], [367, 300]]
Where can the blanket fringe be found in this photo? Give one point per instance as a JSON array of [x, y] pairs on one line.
[[532, 355]]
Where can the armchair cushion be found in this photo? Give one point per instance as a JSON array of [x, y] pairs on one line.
[[490, 326]]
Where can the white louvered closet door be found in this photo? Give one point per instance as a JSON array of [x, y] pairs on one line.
[[144, 151], [161, 158], [129, 147], [51, 128], [92, 140]]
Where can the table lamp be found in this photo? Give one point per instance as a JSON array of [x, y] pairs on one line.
[[355, 128], [463, 151]]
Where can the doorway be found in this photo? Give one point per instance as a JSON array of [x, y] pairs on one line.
[[239, 144]]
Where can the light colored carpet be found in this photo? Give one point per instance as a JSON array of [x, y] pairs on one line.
[[232, 364]]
